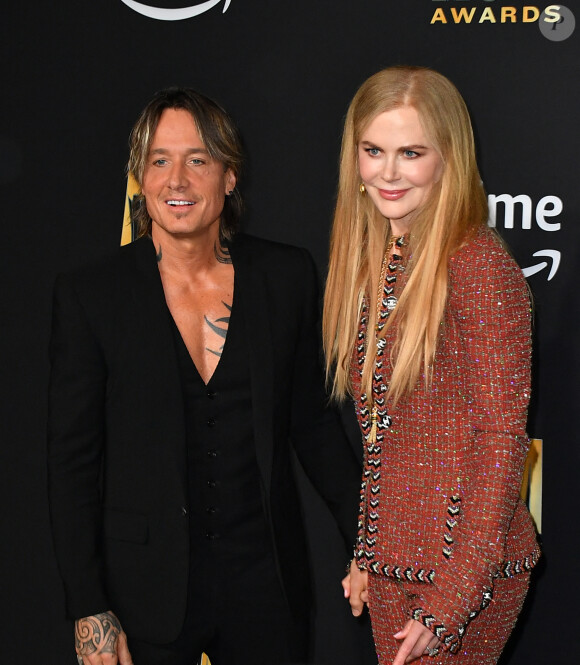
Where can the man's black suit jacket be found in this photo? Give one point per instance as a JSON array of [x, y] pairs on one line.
[[117, 452]]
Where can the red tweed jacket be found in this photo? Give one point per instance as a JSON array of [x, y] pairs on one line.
[[440, 494]]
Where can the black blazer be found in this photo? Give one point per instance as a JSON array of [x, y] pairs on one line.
[[117, 452]]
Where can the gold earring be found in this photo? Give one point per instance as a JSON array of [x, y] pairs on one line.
[[362, 188]]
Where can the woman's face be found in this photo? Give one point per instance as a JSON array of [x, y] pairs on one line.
[[398, 165]]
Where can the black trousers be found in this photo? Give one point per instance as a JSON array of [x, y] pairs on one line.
[[236, 619]]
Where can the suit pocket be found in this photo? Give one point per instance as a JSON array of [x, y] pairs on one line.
[[128, 527]]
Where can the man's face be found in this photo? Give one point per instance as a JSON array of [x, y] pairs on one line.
[[184, 187]]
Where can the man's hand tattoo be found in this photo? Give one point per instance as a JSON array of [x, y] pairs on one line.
[[97, 634]]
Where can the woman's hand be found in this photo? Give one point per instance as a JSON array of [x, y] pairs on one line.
[[355, 586], [417, 639]]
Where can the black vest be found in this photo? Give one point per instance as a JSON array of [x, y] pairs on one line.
[[227, 522]]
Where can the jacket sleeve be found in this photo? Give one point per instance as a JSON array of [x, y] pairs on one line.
[[75, 447], [491, 305], [316, 430]]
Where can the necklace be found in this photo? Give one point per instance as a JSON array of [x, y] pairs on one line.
[[385, 295], [386, 303]]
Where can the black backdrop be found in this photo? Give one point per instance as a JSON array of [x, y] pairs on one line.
[[75, 75]]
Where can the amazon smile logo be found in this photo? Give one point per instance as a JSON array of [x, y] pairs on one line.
[[518, 211], [177, 14]]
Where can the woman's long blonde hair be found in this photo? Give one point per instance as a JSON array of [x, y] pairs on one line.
[[456, 208]]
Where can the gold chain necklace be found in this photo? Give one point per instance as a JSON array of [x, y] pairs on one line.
[[389, 303]]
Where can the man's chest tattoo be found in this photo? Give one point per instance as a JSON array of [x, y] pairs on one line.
[[220, 328]]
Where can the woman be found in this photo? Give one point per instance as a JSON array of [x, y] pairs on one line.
[[427, 327]]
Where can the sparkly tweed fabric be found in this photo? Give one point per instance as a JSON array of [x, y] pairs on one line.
[[440, 508], [484, 639]]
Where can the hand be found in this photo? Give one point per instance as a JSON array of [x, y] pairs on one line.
[[100, 640], [355, 586], [416, 639]]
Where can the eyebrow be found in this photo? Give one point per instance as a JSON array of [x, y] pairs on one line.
[[403, 147], [188, 151]]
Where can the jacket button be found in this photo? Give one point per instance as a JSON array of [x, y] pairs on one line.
[[212, 453], [212, 510], [210, 422], [211, 484], [211, 394], [183, 511]]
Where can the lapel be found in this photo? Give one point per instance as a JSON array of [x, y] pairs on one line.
[[254, 298], [155, 337], [253, 295]]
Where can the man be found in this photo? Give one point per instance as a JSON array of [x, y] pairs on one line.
[[181, 366]]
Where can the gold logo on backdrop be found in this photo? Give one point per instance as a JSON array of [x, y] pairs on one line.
[[504, 14], [129, 228], [531, 491]]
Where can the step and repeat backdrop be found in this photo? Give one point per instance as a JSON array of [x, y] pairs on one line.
[[74, 77]]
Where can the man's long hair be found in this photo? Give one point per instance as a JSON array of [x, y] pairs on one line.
[[218, 133]]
